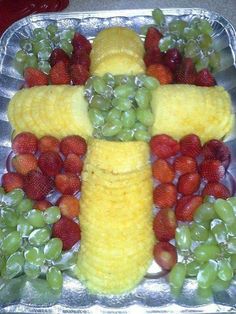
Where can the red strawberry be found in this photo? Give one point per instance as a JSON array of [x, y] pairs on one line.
[[68, 231], [80, 57], [215, 149], [186, 72], [73, 164], [81, 42], [35, 77], [190, 145], [69, 206], [212, 170], [172, 58], [25, 143], [185, 164], [205, 78], [67, 183], [186, 207], [79, 74], [189, 183], [36, 185], [24, 163], [59, 74], [164, 146], [58, 55], [152, 38], [153, 56], [50, 163], [42, 205], [163, 171], [73, 144], [164, 225], [11, 181], [161, 72], [216, 189], [165, 255], [48, 143], [165, 195]]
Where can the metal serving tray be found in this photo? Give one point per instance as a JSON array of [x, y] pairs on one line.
[[153, 294]]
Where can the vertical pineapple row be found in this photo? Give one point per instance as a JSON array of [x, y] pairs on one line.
[[116, 216]]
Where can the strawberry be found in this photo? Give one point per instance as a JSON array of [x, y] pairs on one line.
[[68, 231], [152, 38], [79, 74], [186, 72], [212, 170], [217, 190], [153, 56], [48, 143], [190, 145], [11, 181], [73, 144], [35, 77], [73, 164], [163, 146], [205, 78], [24, 163], [172, 58], [58, 55], [69, 206], [50, 163], [42, 205], [80, 57], [59, 74], [188, 183], [163, 171], [215, 149], [186, 207], [165, 195], [185, 164], [164, 225], [25, 143], [36, 185], [165, 255], [67, 183], [161, 72], [80, 42]]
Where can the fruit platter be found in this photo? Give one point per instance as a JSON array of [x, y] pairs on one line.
[[118, 163]]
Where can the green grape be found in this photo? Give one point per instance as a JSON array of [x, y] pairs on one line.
[[54, 278], [40, 45], [35, 218], [19, 61], [143, 98], [204, 293], [191, 49], [34, 256], [139, 126], [158, 17], [7, 230], [66, 46], [24, 227], [53, 248], [231, 246], [111, 128], [232, 202], [220, 285], [122, 103], [14, 197], [26, 45], [31, 61], [204, 252], [233, 261], [215, 61], [225, 271], [166, 43], [52, 29], [192, 268], [52, 214], [14, 264], [99, 85], [44, 66], [124, 91], [231, 228], [2, 263], [177, 276], [219, 230], [177, 26], [189, 33], [1, 235], [211, 239], [202, 63], [128, 118], [207, 274], [205, 42], [209, 199], [113, 114], [11, 243], [109, 79], [39, 236], [55, 39], [183, 237], [44, 54], [66, 260], [96, 117], [2, 191], [125, 135], [24, 206], [9, 217], [40, 33], [224, 210], [67, 34], [32, 271], [205, 212], [101, 103], [145, 116], [205, 27], [198, 232], [142, 135], [150, 83]]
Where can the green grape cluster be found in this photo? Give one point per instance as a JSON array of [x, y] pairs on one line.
[[26, 245], [36, 51], [193, 39], [119, 106], [208, 247]]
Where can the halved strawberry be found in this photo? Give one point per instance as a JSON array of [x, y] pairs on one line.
[[165, 255], [186, 207], [80, 42], [42, 205], [163, 146], [68, 183], [79, 74], [212, 170], [190, 145], [24, 163], [188, 183], [186, 72], [172, 58], [58, 55], [161, 72], [185, 164], [165, 195], [25, 143], [59, 74], [205, 78], [69, 206], [73, 144], [163, 171], [80, 57], [73, 164], [216, 189], [152, 38], [153, 56], [11, 181], [48, 143], [215, 149], [164, 224], [35, 77], [50, 163]]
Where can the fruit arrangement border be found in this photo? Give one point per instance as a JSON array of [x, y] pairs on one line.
[[89, 23]]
